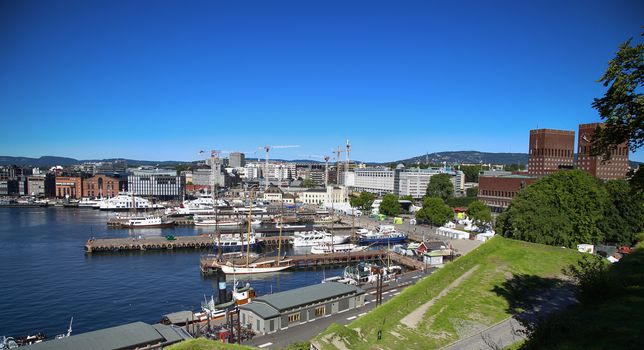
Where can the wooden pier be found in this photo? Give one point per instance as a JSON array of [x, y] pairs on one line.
[[209, 264]]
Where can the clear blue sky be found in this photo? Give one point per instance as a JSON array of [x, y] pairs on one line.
[[162, 80]]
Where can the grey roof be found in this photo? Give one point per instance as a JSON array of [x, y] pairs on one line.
[[308, 295], [179, 317], [125, 336], [264, 311], [316, 190]]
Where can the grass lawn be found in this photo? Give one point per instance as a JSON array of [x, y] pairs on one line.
[[476, 303]]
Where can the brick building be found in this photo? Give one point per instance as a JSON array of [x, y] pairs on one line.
[[69, 186], [103, 186], [615, 168], [550, 150], [497, 188]]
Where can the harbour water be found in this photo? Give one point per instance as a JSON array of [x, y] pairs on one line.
[[47, 278]]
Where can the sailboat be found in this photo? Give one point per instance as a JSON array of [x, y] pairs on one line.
[[264, 266]]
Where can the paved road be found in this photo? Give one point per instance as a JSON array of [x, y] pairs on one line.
[[306, 331], [508, 332]]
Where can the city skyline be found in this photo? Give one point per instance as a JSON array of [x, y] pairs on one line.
[[151, 80]]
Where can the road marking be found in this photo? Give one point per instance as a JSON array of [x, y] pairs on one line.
[[393, 290], [367, 302], [385, 293], [362, 314], [374, 292], [265, 345], [397, 293], [416, 277], [351, 318]]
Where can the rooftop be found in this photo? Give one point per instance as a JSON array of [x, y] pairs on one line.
[[129, 335], [307, 295]]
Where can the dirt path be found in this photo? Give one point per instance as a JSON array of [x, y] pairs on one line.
[[416, 316]]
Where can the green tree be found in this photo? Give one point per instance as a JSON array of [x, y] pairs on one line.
[[479, 212], [408, 198], [390, 205], [440, 185], [363, 201], [624, 215], [513, 167], [472, 191], [309, 183], [563, 209], [435, 212], [622, 107], [471, 172]]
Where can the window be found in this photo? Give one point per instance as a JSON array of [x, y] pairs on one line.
[[320, 311], [293, 317]]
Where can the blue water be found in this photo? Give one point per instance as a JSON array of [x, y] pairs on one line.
[[47, 278]]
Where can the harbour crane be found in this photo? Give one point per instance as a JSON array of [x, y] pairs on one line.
[[268, 150]]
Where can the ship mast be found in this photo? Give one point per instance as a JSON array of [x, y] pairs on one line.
[[250, 218], [279, 242]]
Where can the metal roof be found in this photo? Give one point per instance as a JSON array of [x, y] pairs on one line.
[[308, 295], [179, 317], [125, 336], [264, 311]]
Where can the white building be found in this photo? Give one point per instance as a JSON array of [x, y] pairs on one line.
[[160, 183], [314, 196], [413, 182], [375, 180]]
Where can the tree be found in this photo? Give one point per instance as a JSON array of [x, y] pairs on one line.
[[408, 198], [563, 209], [309, 183], [435, 212], [472, 191], [513, 167], [479, 213], [623, 216], [440, 185], [471, 172], [390, 205], [363, 201], [622, 107]]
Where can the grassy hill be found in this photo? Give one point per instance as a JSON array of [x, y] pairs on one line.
[[205, 344], [466, 296]]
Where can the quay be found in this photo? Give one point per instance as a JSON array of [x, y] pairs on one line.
[[208, 264], [163, 243]]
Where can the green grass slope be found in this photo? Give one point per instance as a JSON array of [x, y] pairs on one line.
[[616, 322], [205, 344], [476, 303]]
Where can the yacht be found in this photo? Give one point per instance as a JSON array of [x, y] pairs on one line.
[[385, 234], [212, 311], [126, 201], [327, 248], [210, 220], [147, 222], [312, 238], [368, 273], [91, 203], [233, 242], [257, 267]]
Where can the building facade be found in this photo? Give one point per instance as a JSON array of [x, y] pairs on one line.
[[375, 180], [273, 312], [550, 150], [159, 183], [236, 160], [615, 168], [36, 186], [69, 187], [103, 186], [498, 188], [313, 196]]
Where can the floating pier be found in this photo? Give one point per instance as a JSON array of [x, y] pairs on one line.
[[163, 243], [209, 265]]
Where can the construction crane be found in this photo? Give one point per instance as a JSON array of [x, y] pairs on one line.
[[337, 152], [326, 171], [268, 150]]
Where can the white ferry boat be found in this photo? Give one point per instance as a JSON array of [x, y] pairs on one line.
[[91, 203], [233, 242], [147, 222], [210, 220], [313, 238], [126, 201], [327, 248]]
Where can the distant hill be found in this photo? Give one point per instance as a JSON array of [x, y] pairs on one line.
[[458, 157], [453, 157], [48, 161]]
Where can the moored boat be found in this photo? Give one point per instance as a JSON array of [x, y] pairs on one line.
[[147, 222], [313, 238], [385, 234], [327, 248]]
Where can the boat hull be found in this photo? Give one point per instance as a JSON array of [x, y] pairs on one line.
[[252, 270], [235, 248], [382, 240], [165, 224]]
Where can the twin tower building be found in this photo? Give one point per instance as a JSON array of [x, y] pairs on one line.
[[552, 150]]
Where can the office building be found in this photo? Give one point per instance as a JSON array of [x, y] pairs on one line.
[[159, 183], [497, 188], [550, 150], [236, 160], [69, 187], [103, 186], [614, 168]]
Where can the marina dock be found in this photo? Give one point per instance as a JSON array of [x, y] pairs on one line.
[[208, 264], [163, 243]]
